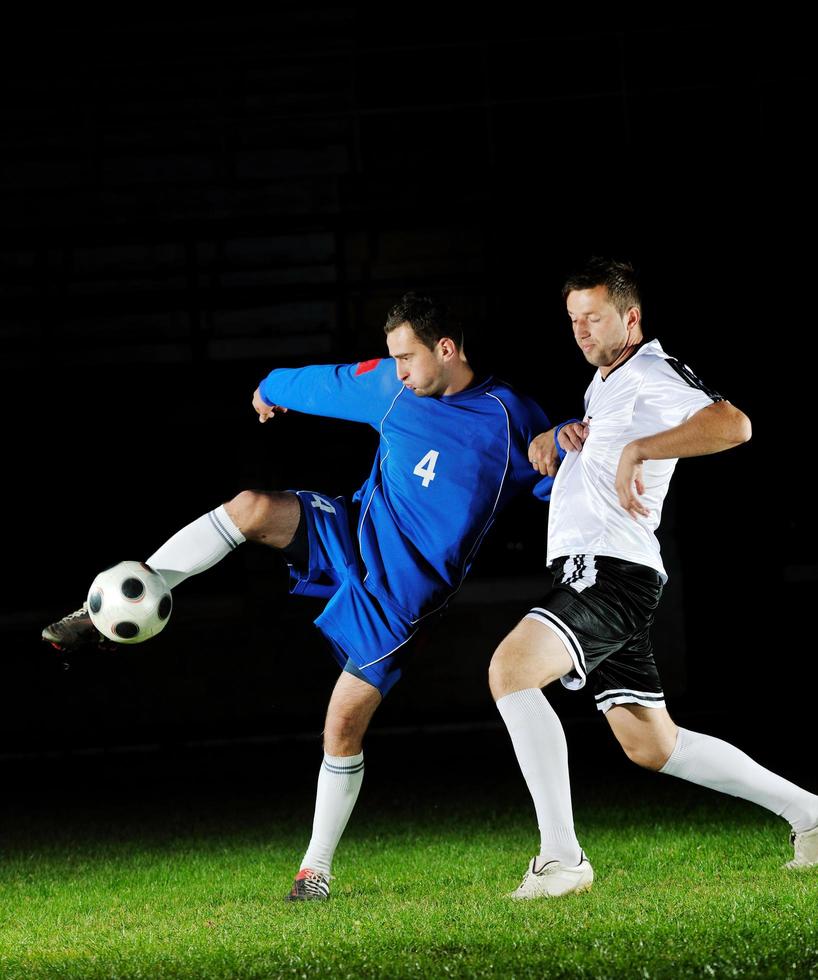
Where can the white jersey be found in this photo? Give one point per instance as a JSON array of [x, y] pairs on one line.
[[648, 393]]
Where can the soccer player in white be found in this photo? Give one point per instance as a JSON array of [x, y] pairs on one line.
[[644, 410]]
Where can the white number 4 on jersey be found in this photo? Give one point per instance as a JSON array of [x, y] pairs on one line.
[[426, 467]]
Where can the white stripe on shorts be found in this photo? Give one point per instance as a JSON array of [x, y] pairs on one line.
[[579, 571], [620, 695], [569, 641]]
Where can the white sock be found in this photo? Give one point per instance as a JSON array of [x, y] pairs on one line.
[[539, 743], [197, 547], [338, 785], [710, 762]]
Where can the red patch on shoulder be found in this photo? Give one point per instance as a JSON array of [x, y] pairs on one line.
[[364, 366]]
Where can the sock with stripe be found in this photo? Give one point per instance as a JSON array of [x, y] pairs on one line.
[[710, 762], [539, 743], [197, 547], [339, 783]]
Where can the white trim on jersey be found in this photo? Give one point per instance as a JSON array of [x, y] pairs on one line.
[[619, 695], [569, 641]]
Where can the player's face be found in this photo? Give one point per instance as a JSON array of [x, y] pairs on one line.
[[600, 330], [421, 370]]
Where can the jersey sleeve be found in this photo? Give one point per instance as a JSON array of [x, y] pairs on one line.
[[528, 421], [675, 392], [356, 392]]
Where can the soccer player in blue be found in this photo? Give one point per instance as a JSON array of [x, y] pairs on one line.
[[453, 453]]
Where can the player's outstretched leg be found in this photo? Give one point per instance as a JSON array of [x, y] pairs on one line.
[[268, 518], [652, 740], [350, 710], [530, 657]]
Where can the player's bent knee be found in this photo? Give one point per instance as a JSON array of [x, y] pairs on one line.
[[529, 657], [343, 746], [343, 735], [256, 512], [650, 756], [248, 510], [510, 671], [499, 674]]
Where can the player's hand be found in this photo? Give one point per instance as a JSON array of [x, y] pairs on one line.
[[543, 455], [572, 436], [264, 410], [630, 484]]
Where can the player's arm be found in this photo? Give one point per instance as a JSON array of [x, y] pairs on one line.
[[356, 392], [264, 410], [712, 429]]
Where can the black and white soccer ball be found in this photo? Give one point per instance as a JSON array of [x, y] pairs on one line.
[[129, 602]]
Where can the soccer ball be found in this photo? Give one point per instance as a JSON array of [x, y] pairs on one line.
[[129, 602]]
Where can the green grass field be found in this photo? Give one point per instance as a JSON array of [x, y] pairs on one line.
[[160, 884]]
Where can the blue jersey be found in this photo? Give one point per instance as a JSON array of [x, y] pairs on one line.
[[445, 467]]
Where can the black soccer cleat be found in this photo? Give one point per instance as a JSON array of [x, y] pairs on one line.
[[309, 886], [75, 631]]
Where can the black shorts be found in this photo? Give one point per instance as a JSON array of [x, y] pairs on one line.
[[602, 609]]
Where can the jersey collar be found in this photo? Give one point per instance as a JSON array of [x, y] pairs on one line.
[[480, 388], [641, 346]]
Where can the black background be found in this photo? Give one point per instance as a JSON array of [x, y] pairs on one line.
[[189, 204]]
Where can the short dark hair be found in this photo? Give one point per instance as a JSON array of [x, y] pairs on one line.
[[427, 316], [619, 277]]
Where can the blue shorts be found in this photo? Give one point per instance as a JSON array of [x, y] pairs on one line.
[[368, 638]]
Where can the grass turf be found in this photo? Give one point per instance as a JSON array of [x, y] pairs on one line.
[[158, 884]]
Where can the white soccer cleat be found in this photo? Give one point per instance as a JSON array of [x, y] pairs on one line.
[[806, 849], [554, 879]]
